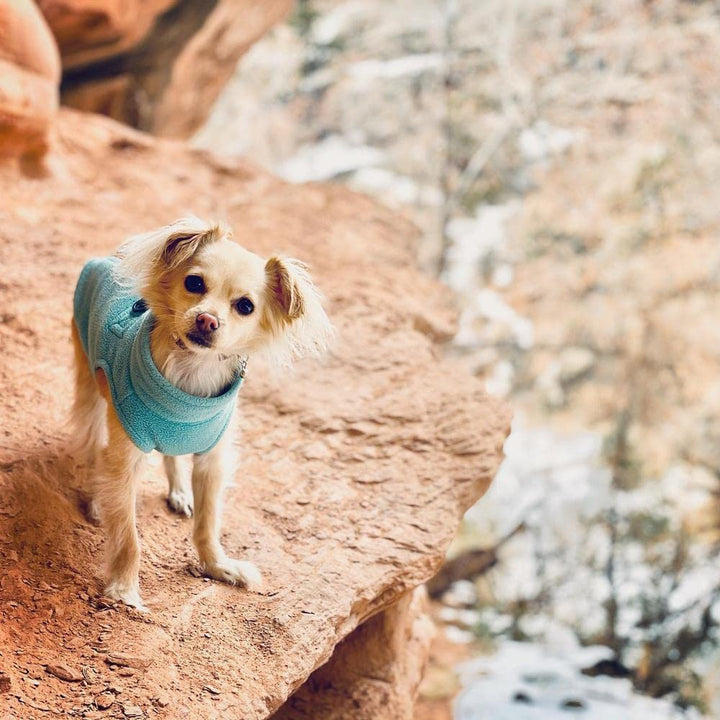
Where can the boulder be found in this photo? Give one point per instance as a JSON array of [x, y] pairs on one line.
[[355, 471], [374, 673], [155, 65], [91, 31], [29, 79]]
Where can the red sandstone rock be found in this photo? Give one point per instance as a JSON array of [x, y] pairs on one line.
[[157, 70], [374, 673], [29, 79], [64, 672], [355, 471], [91, 30], [208, 61]]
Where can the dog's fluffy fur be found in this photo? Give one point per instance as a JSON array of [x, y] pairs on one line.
[[288, 322]]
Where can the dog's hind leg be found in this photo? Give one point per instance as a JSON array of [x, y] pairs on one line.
[[115, 492], [180, 497], [87, 417]]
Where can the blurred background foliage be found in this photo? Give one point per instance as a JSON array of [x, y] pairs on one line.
[[560, 159]]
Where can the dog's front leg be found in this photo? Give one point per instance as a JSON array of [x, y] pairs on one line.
[[115, 493], [179, 496], [208, 481]]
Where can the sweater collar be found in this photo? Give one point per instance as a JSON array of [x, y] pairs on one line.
[[161, 396]]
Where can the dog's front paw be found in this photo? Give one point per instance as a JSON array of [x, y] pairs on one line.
[[235, 572], [128, 594], [180, 502]]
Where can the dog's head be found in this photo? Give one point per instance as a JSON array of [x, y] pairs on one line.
[[218, 298]]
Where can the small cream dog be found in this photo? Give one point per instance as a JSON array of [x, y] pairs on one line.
[[162, 333]]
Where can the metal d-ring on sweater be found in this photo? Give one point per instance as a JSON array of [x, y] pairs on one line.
[[114, 328]]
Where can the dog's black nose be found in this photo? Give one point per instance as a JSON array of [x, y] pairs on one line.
[[207, 323]]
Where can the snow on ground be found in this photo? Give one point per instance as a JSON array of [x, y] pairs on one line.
[[559, 486], [527, 681]]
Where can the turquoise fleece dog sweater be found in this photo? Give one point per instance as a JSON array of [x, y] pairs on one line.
[[114, 328]]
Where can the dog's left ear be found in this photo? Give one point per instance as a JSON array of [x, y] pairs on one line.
[[284, 288], [295, 320]]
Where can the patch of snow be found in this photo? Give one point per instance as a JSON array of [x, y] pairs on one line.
[[542, 465], [689, 487], [461, 593], [503, 275], [543, 140], [474, 240], [496, 622], [318, 80], [407, 66], [476, 249], [572, 364], [490, 306], [327, 159], [696, 583], [338, 22], [459, 616], [457, 635], [500, 381], [394, 189]]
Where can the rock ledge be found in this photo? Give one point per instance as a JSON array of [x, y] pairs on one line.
[[354, 473]]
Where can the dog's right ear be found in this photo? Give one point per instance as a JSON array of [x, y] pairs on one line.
[[142, 256], [181, 246]]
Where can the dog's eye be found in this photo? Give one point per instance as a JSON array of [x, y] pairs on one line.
[[244, 306], [194, 284]]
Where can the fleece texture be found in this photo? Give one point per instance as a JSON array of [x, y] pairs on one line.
[[115, 333]]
